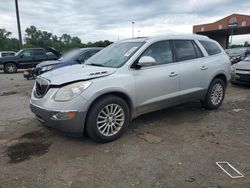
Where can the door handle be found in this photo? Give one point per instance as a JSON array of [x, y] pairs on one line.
[[172, 74], [204, 68]]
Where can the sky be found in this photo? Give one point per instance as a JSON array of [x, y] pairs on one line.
[[94, 20]]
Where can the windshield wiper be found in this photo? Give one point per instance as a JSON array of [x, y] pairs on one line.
[[95, 64]]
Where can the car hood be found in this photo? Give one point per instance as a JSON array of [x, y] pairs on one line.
[[243, 65], [9, 58], [76, 73], [54, 51], [47, 63]]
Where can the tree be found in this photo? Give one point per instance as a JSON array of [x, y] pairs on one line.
[[7, 43], [246, 44], [38, 38]]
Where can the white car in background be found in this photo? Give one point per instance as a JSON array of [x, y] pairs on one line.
[[7, 53]]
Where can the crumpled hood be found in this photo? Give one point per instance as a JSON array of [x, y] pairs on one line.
[[47, 63], [243, 65], [75, 73]]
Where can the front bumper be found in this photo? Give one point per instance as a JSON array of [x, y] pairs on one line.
[[1, 66], [73, 126]]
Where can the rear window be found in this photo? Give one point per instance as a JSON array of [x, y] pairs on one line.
[[211, 47]]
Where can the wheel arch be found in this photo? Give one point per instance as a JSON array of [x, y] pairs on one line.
[[221, 76], [120, 94]]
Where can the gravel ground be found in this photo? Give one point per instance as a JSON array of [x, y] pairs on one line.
[[175, 147]]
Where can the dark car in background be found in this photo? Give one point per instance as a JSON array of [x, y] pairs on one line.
[[237, 54], [240, 72], [76, 56], [26, 58]]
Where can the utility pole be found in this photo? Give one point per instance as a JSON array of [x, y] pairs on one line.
[[18, 25], [133, 28]]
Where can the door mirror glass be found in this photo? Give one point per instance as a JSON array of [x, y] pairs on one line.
[[145, 61]]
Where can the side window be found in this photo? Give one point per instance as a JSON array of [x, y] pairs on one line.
[[211, 47], [197, 50], [161, 52], [26, 53], [184, 50]]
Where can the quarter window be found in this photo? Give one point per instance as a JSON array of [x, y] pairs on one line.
[[211, 47], [161, 52], [38, 52], [197, 50], [184, 50]]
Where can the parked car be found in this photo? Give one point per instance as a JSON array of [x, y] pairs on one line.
[[241, 72], [72, 57], [26, 58], [237, 54], [7, 53], [130, 78]]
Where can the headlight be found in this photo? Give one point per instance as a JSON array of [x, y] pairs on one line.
[[47, 68], [70, 91]]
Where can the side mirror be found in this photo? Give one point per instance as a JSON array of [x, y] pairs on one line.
[[21, 55], [145, 61]]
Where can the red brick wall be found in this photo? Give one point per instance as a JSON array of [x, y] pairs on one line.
[[223, 22]]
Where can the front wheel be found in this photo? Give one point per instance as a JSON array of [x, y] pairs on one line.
[[215, 94], [10, 68], [107, 119]]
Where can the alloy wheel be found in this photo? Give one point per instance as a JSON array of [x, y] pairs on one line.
[[216, 94], [110, 119]]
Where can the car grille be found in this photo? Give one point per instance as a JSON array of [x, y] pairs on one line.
[[243, 77], [41, 88]]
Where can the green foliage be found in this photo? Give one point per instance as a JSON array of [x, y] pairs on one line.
[[38, 38], [7, 43], [246, 44]]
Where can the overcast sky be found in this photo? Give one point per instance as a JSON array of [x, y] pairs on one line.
[[93, 20]]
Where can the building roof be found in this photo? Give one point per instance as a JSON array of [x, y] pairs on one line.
[[234, 21]]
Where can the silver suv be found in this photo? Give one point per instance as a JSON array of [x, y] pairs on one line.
[[129, 78]]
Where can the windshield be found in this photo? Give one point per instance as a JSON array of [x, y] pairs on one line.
[[19, 52], [115, 55], [71, 55]]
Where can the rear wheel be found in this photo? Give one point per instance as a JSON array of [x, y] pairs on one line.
[[107, 119], [10, 68], [215, 94]]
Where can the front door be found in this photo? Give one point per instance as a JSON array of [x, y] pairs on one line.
[[157, 86], [26, 58]]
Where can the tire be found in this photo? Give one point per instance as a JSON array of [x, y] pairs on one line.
[[215, 94], [10, 68], [99, 126]]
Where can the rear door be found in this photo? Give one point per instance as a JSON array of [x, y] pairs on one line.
[[193, 69], [39, 55], [157, 86]]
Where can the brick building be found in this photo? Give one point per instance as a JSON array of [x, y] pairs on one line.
[[235, 24]]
